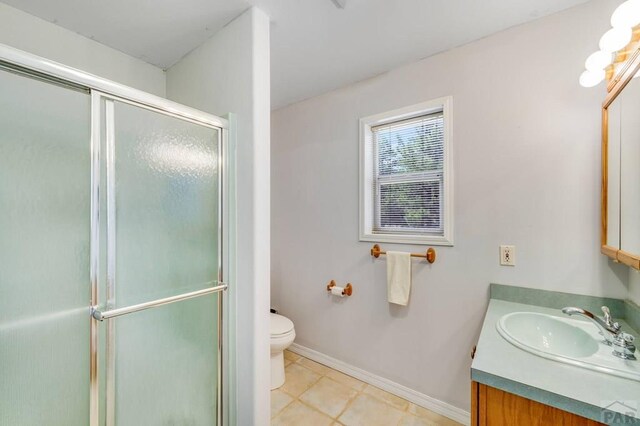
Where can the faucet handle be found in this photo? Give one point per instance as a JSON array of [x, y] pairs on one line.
[[623, 346], [608, 320]]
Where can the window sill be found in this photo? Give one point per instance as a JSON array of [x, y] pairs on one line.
[[408, 239]]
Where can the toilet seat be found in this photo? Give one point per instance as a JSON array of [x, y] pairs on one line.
[[280, 325], [282, 341]]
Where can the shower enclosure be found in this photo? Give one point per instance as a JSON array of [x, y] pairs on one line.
[[110, 252]]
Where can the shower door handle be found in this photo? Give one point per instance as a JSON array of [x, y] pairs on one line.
[[103, 315]]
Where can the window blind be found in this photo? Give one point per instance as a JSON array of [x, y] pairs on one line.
[[408, 180]]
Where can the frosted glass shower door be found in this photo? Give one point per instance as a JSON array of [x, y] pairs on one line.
[[44, 252], [110, 253], [163, 240]]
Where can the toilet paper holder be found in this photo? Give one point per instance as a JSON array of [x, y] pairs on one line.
[[348, 289]]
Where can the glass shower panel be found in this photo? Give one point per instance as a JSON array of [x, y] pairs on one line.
[[166, 179], [44, 253], [166, 195], [166, 365]]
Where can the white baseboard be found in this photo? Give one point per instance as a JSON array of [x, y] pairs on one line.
[[437, 406]]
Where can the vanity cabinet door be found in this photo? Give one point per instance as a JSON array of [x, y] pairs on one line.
[[493, 407]]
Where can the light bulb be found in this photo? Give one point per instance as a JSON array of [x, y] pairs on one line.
[[627, 15], [591, 78], [615, 39], [598, 60]]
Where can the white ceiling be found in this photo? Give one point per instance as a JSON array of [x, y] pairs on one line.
[[315, 46]]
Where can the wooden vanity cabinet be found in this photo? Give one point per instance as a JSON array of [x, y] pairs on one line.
[[494, 407]]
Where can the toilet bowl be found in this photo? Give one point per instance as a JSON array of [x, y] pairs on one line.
[[282, 336]]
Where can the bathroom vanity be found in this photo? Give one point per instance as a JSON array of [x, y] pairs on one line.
[[563, 376]]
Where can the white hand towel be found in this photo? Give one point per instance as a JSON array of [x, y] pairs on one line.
[[398, 277]]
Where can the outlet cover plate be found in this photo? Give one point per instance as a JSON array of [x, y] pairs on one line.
[[507, 255]]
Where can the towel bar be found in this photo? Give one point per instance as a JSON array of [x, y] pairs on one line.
[[430, 254]]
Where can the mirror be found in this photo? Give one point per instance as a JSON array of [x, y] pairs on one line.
[[630, 168], [621, 170]]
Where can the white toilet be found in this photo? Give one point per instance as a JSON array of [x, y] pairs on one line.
[[282, 336]]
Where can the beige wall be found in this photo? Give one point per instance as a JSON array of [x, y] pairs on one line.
[[526, 141], [634, 286], [39, 37]]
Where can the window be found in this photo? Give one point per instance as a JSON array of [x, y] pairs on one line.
[[405, 175]]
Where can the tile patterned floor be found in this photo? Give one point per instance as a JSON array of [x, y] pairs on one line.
[[316, 395]]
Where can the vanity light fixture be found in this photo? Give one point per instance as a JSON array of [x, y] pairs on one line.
[[591, 78], [598, 60], [615, 39], [615, 44], [627, 15]]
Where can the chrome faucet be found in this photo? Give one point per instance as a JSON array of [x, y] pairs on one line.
[[622, 343], [607, 327]]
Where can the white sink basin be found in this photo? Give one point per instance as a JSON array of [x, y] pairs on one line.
[[547, 334], [564, 340]]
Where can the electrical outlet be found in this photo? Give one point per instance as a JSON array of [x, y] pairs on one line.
[[508, 255]]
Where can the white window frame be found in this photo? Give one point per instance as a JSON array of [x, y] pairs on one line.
[[367, 166]]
